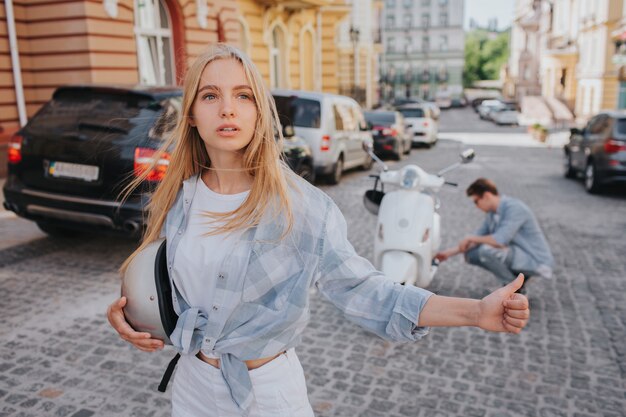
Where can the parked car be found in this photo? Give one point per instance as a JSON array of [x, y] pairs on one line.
[[332, 125], [504, 115], [443, 99], [598, 151], [487, 106], [421, 125], [389, 133], [69, 165], [459, 101], [298, 154], [435, 111]]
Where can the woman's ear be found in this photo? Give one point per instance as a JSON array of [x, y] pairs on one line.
[[192, 122]]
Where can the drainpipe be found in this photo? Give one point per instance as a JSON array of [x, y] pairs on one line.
[[15, 63], [318, 62]]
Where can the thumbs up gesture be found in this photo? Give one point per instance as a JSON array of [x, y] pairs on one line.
[[504, 310]]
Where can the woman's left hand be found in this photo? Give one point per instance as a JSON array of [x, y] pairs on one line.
[[504, 310]]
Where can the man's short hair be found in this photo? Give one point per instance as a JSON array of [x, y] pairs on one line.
[[480, 187]]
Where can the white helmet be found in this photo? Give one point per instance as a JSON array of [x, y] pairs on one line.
[[146, 286]]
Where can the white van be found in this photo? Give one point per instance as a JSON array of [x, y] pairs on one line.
[[332, 125]]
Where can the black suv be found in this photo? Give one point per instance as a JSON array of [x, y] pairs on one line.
[[598, 151], [69, 165]]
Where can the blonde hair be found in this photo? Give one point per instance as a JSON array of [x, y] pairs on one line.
[[261, 158]]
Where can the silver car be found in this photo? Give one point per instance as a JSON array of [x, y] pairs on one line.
[[504, 116], [332, 125]]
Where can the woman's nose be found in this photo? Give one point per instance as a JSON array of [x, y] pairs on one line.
[[227, 109]]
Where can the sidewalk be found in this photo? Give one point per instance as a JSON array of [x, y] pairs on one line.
[[14, 230], [4, 214], [555, 140]]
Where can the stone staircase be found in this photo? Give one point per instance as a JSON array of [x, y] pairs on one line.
[[547, 111]]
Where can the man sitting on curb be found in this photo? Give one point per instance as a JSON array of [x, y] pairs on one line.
[[508, 242]]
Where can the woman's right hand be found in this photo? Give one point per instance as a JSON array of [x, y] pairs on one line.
[[141, 340]]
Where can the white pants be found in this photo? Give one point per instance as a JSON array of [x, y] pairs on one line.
[[199, 390]]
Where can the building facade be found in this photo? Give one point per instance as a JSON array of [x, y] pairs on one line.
[[568, 54], [524, 60], [424, 44], [560, 56], [359, 46], [619, 57], [44, 45], [597, 87]]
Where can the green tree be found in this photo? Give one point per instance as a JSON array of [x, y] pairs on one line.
[[485, 53]]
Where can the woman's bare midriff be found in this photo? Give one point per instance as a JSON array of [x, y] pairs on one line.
[[251, 364]]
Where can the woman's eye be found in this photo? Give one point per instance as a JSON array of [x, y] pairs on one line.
[[245, 96], [209, 97]]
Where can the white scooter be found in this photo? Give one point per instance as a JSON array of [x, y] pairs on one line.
[[408, 231]]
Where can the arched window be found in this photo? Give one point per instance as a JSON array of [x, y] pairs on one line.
[[153, 30], [278, 70]]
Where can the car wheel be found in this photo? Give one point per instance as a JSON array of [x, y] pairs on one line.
[[335, 177], [568, 170], [57, 231], [592, 183]]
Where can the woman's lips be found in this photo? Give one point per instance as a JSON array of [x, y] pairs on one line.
[[228, 130]]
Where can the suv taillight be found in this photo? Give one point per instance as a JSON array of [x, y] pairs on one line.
[[613, 146], [325, 145], [15, 149], [144, 158]]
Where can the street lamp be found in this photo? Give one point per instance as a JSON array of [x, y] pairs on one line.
[[354, 38]]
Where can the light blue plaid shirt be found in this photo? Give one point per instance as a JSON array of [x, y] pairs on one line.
[[260, 297]]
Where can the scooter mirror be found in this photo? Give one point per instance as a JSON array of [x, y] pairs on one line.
[[372, 200], [467, 155]]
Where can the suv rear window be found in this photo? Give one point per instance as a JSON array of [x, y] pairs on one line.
[[621, 126], [383, 118], [80, 108], [412, 112], [300, 112]]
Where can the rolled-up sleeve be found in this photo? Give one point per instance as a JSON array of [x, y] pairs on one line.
[[364, 295]]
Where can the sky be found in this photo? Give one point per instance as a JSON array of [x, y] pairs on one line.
[[483, 10]]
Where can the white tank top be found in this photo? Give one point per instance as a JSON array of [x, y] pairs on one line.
[[198, 256]]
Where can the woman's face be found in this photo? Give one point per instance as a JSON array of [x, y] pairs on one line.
[[224, 109]]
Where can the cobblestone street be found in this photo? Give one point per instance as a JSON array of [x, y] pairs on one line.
[[59, 357]]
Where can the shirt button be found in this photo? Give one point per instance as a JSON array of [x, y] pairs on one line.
[[180, 232], [207, 340], [215, 308], [221, 276]]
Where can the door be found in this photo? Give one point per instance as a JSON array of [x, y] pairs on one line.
[[343, 131]]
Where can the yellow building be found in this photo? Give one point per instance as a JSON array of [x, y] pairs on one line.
[[619, 57], [597, 87], [44, 45], [559, 59], [293, 42]]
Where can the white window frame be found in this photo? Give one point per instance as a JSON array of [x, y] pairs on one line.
[[160, 34]]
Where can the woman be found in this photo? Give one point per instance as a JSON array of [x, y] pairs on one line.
[[246, 239]]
